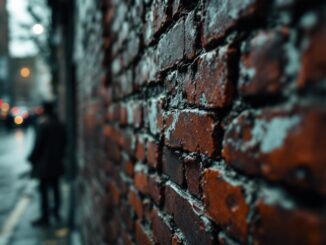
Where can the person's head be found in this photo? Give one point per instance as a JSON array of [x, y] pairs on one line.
[[48, 107]]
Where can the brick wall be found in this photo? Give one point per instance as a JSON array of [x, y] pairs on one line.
[[202, 122]]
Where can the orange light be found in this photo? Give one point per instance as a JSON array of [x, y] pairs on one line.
[[25, 72], [18, 120], [5, 107]]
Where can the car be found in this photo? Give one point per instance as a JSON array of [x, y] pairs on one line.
[[18, 116]]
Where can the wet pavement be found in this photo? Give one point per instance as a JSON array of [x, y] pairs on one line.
[[19, 198]]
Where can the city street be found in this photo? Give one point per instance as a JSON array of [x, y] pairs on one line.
[[19, 198], [14, 148]]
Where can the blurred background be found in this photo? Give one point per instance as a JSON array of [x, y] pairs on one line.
[[29, 44]]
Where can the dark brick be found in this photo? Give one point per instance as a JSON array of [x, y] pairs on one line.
[[193, 170], [171, 46], [153, 153], [172, 165], [262, 64], [186, 217], [191, 130], [143, 237], [213, 83], [222, 15], [191, 32], [162, 230], [313, 61], [155, 188]]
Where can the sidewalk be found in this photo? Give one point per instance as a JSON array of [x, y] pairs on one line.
[[17, 229]]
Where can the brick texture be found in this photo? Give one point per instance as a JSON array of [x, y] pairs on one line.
[[201, 122]]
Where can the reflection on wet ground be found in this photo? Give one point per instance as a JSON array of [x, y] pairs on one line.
[[19, 198]]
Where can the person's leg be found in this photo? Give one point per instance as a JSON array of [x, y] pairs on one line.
[[56, 197], [44, 204]]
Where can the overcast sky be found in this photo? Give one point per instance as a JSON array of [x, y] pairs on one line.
[[18, 15]]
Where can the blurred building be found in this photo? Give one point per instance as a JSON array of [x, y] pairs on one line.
[[4, 54], [30, 80]]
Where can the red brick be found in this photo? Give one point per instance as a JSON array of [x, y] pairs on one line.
[[113, 192], [127, 165], [191, 32], [222, 15], [277, 225], [143, 237], [282, 144], [155, 188], [262, 64], [141, 178], [176, 240], [172, 165], [140, 152], [213, 84], [171, 46], [193, 170], [135, 201], [187, 218], [225, 203], [191, 130], [162, 230], [313, 61], [153, 153]]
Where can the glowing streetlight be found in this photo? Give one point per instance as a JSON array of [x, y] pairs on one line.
[[38, 29], [25, 72]]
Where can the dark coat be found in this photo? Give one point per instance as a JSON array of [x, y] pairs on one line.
[[49, 150]]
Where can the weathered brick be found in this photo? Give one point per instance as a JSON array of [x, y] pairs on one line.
[[213, 83], [225, 203], [161, 14], [135, 202], [162, 230], [172, 165], [187, 218], [171, 46], [192, 130], [140, 152], [153, 153], [193, 170], [262, 64], [143, 236], [282, 144], [191, 32], [277, 225], [222, 15], [179, 6], [155, 115], [155, 188], [147, 68], [141, 178], [313, 61]]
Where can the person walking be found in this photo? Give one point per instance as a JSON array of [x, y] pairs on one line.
[[47, 159]]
